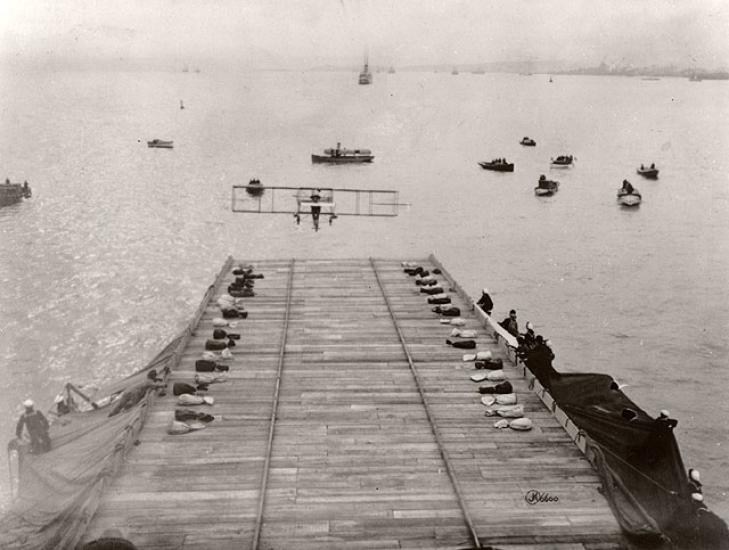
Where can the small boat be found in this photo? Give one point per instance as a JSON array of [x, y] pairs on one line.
[[562, 161], [498, 165], [160, 144], [254, 188], [340, 155], [391, 70], [365, 77], [629, 197], [529, 142], [14, 192], [546, 187], [454, 71], [650, 173]]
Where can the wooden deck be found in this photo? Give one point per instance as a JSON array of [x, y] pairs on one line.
[[367, 449]]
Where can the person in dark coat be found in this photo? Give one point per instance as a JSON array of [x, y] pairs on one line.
[[510, 325], [485, 302], [37, 427]]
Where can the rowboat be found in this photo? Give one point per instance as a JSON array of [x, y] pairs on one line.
[[529, 142], [650, 173], [629, 198], [160, 144], [562, 161], [546, 187]]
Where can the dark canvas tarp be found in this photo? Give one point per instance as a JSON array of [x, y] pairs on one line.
[[637, 458]]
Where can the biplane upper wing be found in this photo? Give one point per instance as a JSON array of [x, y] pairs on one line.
[[290, 200]]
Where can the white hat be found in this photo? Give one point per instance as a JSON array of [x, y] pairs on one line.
[[547, 343], [28, 403], [58, 399], [485, 290], [529, 325], [665, 413], [698, 497], [694, 474]]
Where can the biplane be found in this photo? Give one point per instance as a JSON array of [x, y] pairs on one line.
[[315, 201]]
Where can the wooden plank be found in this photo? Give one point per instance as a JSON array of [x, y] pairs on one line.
[[354, 462]]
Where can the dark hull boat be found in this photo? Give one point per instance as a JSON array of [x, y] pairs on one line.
[[650, 173], [562, 161], [160, 144], [13, 192], [497, 166], [342, 159], [343, 156], [546, 188], [528, 142]]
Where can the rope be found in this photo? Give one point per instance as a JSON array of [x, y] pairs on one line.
[[429, 414], [629, 465], [274, 412]]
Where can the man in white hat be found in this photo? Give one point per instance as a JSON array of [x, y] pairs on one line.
[[37, 426], [485, 302]]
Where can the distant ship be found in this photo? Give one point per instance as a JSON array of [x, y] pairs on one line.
[[185, 69], [13, 192], [454, 71], [365, 77], [391, 70]]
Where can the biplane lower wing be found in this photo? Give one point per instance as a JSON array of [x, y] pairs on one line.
[[260, 199]]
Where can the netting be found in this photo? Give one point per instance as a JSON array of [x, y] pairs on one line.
[[59, 490]]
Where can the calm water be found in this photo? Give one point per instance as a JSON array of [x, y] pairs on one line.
[[112, 254]]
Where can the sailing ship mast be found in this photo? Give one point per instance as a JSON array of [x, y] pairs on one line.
[[365, 77]]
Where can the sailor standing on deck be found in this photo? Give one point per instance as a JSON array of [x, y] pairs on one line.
[[37, 426], [485, 302]]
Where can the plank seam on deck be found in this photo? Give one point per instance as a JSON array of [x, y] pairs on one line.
[[274, 409], [431, 420]]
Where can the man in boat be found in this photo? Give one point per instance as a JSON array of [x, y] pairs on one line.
[[628, 187], [485, 302], [37, 427]]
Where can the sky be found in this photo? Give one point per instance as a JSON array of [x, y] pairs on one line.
[[281, 34]]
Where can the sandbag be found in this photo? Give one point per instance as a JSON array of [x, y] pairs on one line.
[[187, 399], [461, 333], [438, 300], [215, 345], [185, 415], [490, 364], [178, 388], [506, 411], [432, 290], [521, 424], [462, 344], [500, 388], [505, 399], [220, 322]]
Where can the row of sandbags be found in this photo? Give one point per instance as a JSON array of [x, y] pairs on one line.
[[498, 395]]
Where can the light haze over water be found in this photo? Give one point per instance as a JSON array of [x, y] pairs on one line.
[[111, 256]]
